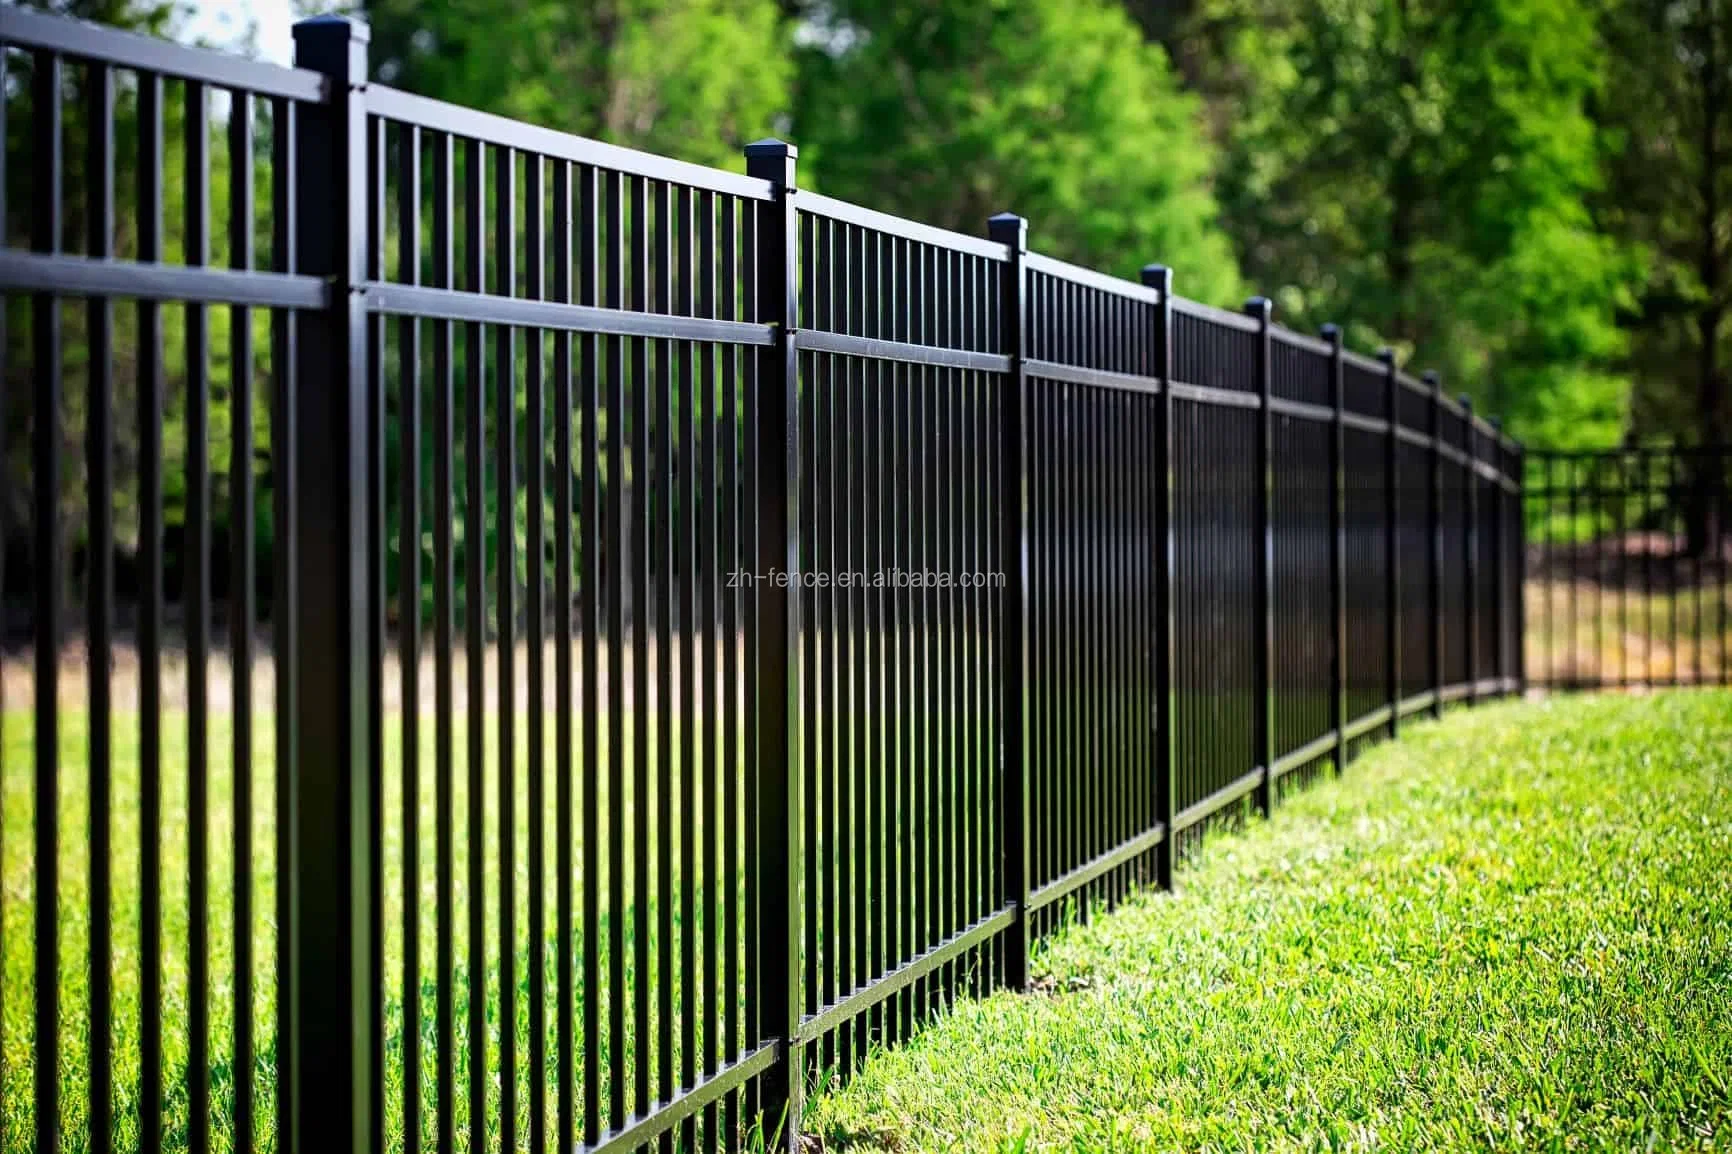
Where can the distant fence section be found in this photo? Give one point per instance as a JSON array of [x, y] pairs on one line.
[[527, 644], [1629, 567]]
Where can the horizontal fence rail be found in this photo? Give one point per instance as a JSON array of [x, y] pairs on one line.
[[513, 641]]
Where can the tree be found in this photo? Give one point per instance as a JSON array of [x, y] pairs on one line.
[[1668, 123], [1059, 111], [696, 79], [1419, 170]]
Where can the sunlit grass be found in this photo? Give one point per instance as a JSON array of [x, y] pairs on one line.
[[1509, 929]]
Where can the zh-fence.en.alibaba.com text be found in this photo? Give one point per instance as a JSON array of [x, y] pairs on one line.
[[893, 578]]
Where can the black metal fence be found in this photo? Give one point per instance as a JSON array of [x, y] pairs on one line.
[[1629, 567], [680, 629]]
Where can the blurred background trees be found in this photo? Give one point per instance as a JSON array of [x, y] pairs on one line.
[[1056, 109]]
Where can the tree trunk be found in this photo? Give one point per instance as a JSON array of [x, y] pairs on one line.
[[1404, 196], [1705, 515]]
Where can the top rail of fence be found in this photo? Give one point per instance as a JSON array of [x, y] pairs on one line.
[[1088, 277], [1232, 320], [1361, 361], [1300, 340], [439, 116], [23, 28], [870, 218]]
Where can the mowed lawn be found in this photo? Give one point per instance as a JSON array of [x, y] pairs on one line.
[[1510, 929]]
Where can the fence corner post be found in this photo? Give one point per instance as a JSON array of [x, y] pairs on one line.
[[1160, 278], [1470, 546], [1434, 384], [1392, 536], [1261, 309], [776, 405], [1337, 546], [1011, 231], [332, 919]]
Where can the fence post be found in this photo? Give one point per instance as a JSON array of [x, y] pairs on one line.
[[776, 415], [1337, 547], [1160, 277], [329, 938], [1392, 536], [1263, 719], [1434, 384], [1470, 523], [1012, 231]]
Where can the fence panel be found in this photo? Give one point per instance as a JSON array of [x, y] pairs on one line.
[[533, 643], [1092, 753], [1304, 542], [1218, 591], [1488, 550], [1515, 567], [1367, 572], [1416, 546], [1628, 569], [900, 412], [1454, 542], [562, 341]]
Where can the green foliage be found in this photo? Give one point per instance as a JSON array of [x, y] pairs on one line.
[[1058, 111], [1667, 125], [696, 79], [1418, 170], [1488, 935]]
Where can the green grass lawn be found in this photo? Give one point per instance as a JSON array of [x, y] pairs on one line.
[[1511, 929]]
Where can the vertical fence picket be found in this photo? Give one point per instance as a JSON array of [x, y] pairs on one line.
[[45, 518], [197, 598], [374, 337], [409, 627], [241, 610], [150, 629], [444, 644], [99, 435]]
